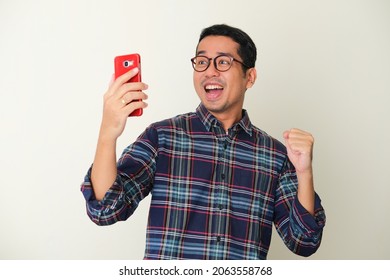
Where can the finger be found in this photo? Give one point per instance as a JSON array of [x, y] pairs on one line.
[[299, 146], [119, 81], [297, 139], [130, 87], [296, 134], [127, 76], [133, 96], [132, 106], [299, 132]]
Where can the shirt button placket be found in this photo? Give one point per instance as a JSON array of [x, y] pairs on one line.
[[223, 175], [223, 184]]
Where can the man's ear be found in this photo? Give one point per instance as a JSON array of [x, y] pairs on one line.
[[252, 76]]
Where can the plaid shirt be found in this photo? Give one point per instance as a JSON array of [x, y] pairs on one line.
[[214, 194]]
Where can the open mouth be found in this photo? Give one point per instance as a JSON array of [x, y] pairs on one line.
[[213, 88]]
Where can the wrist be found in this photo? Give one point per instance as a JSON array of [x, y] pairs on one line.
[[305, 176], [305, 173], [306, 194], [107, 135]]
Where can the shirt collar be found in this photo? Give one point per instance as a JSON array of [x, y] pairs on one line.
[[209, 120]]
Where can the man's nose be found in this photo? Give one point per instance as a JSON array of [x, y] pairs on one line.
[[211, 71]]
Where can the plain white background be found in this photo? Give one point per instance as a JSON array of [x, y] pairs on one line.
[[324, 66]]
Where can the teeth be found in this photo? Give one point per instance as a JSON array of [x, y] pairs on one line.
[[211, 87]]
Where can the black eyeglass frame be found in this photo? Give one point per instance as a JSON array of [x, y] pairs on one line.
[[215, 63]]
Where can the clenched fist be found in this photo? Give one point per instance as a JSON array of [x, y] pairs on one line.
[[299, 146]]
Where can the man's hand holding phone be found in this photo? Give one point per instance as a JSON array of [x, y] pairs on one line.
[[121, 99]]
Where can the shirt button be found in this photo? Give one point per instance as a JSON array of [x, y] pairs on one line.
[[218, 238], [223, 176], [220, 206]]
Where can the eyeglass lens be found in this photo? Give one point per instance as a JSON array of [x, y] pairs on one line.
[[221, 63]]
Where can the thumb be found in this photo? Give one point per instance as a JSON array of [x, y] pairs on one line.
[[286, 134], [112, 80]]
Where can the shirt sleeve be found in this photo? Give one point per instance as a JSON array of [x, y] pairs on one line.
[[134, 181], [300, 231]]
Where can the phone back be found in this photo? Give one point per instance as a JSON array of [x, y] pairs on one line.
[[123, 64]]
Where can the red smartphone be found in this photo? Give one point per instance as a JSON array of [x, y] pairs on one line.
[[123, 64]]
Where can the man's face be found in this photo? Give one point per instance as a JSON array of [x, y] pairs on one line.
[[222, 93]]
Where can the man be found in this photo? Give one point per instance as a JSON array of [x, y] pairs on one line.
[[218, 183]]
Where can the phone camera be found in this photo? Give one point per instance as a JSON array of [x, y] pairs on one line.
[[128, 63]]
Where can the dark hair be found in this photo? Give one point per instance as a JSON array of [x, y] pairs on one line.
[[247, 48]]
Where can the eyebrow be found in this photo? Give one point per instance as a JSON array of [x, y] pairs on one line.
[[218, 53]]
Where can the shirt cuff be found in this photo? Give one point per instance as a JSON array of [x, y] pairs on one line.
[[100, 211], [305, 223]]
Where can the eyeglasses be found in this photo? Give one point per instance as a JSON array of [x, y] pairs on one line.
[[222, 62]]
